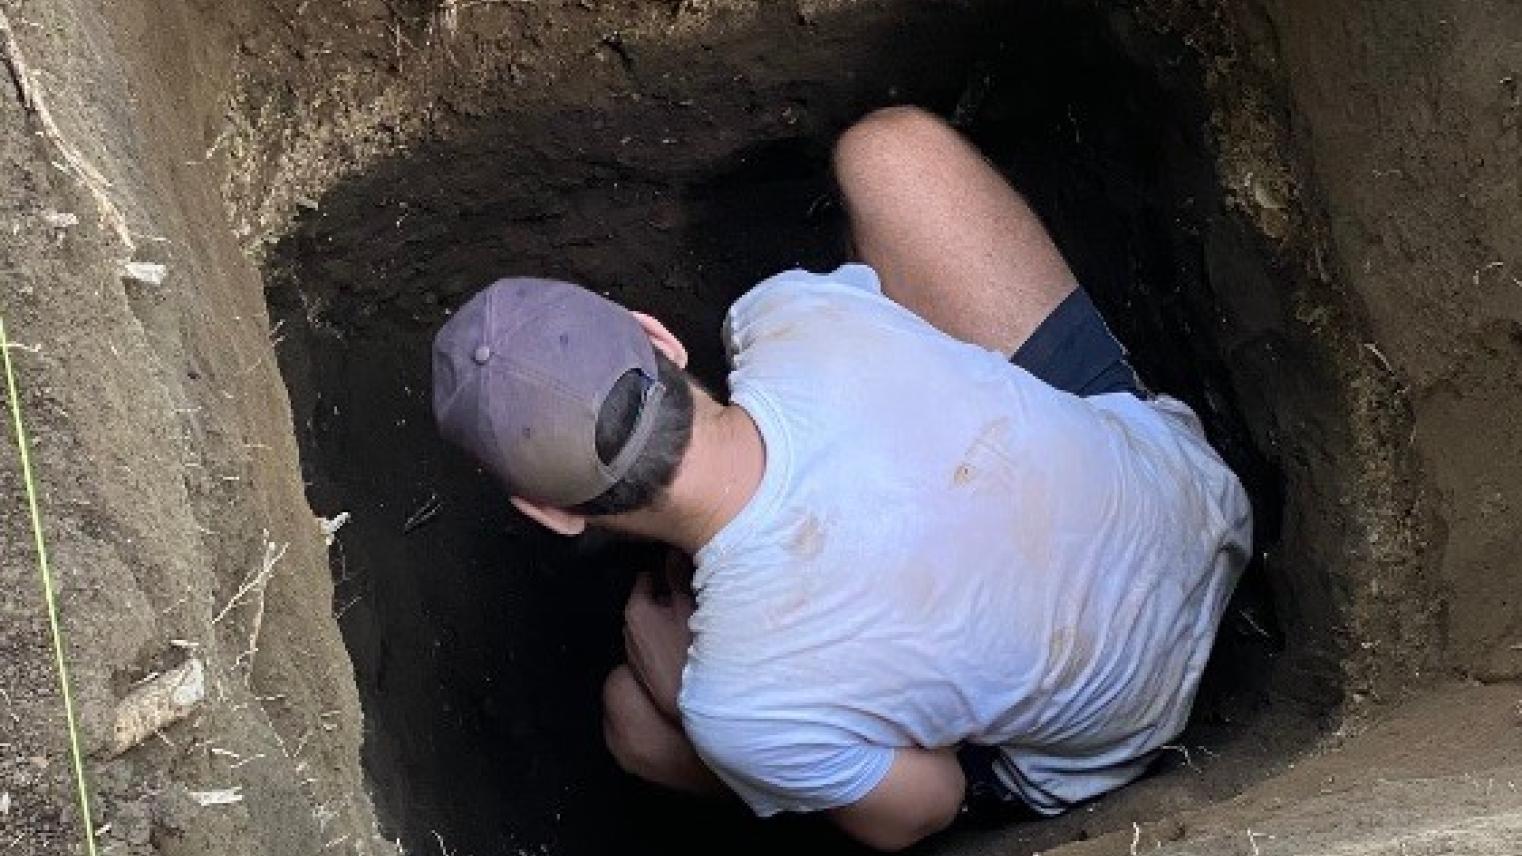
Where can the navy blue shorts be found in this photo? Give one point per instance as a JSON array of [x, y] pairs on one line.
[[1074, 351], [987, 800]]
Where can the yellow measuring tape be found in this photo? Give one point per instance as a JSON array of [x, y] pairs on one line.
[[47, 592]]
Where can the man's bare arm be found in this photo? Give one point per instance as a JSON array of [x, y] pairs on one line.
[[656, 639], [921, 795]]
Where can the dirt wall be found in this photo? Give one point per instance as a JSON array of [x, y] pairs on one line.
[[1408, 120], [161, 437]]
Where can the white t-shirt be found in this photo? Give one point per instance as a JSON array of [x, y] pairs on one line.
[[943, 550]]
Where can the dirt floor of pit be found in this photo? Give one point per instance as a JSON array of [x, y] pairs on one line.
[[1371, 149]]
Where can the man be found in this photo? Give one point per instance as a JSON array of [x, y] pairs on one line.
[[939, 512]]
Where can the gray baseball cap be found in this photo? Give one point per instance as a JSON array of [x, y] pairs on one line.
[[520, 374]]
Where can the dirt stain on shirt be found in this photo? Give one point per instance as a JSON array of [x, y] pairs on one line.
[[779, 333], [807, 540], [782, 614], [985, 451]]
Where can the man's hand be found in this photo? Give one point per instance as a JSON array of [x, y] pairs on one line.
[[921, 795], [656, 639]]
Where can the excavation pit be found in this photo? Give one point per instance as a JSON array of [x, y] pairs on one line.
[[1300, 216], [480, 642]]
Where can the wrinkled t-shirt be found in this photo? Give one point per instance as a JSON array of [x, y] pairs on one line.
[[945, 550]]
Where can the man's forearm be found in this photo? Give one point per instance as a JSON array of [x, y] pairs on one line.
[[664, 690], [656, 640]]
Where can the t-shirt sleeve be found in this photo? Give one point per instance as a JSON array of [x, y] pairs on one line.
[[774, 298], [777, 766], [859, 276]]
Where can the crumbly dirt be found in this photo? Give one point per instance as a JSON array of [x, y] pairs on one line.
[[1303, 217], [1440, 775]]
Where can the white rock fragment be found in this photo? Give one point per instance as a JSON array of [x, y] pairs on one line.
[[60, 219], [1267, 197], [157, 704], [220, 796], [331, 525], [149, 273], [5, 803], [306, 202]]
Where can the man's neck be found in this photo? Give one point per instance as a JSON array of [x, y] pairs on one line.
[[717, 477]]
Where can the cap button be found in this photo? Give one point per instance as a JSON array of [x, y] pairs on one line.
[[482, 354]]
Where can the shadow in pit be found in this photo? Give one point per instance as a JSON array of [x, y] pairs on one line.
[[480, 642]]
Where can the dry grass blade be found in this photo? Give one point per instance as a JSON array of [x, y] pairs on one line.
[[253, 588], [255, 582]]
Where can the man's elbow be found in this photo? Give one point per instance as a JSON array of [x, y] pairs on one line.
[[907, 830], [920, 796]]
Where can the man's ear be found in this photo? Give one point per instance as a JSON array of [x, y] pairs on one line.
[[556, 520], [663, 339]]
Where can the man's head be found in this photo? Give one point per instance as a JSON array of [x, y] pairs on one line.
[[580, 407]]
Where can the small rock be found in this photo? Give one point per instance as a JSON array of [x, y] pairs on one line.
[[221, 796], [60, 219], [149, 273], [157, 704], [330, 526], [5, 803], [1268, 197]]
